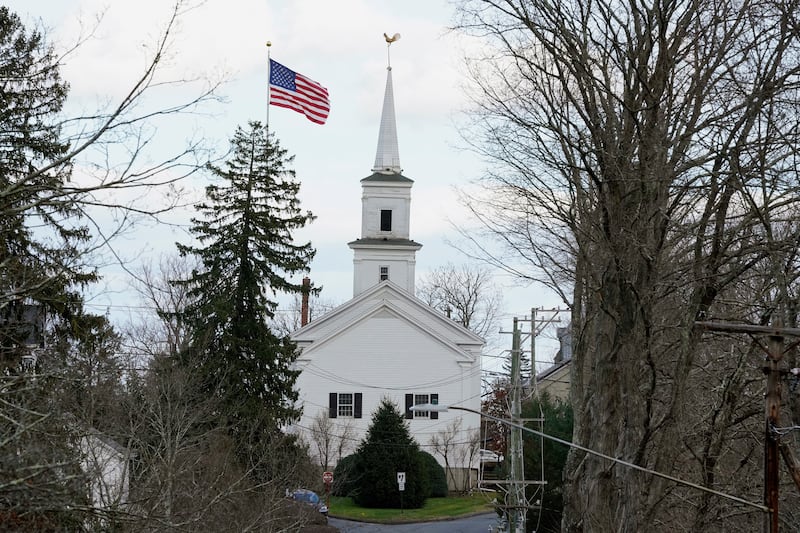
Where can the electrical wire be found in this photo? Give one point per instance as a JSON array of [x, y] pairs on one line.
[[616, 460], [331, 376], [428, 428], [786, 430]]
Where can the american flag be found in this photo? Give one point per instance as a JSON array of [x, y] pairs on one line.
[[291, 90]]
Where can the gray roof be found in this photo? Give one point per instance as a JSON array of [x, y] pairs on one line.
[[385, 242], [379, 176], [552, 369]]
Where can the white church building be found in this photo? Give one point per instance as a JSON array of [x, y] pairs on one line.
[[384, 342]]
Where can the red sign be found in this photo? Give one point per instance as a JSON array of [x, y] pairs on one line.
[[327, 477]]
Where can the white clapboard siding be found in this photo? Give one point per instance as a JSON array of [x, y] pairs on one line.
[[386, 343]]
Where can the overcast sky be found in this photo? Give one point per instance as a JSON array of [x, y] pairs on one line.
[[340, 44]]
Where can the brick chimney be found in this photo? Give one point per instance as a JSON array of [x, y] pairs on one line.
[[304, 305]]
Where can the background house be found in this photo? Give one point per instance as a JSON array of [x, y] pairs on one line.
[[22, 326], [107, 465], [555, 380]]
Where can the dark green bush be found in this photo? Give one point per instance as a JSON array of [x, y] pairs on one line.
[[437, 478], [387, 449]]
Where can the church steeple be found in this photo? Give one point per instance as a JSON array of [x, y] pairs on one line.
[[387, 157], [385, 251]]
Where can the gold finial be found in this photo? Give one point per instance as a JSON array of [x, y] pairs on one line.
[[391, 39], [269, 43]]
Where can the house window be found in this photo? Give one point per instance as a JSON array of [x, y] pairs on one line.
[[384, 273], [386, 220], [344, 405], [420, 398]]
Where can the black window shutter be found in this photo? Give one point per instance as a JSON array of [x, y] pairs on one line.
[[434, 401], [357, 405], [409, 403], [332, 405]]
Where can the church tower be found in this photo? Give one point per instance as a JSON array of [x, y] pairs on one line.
[[385, 251]]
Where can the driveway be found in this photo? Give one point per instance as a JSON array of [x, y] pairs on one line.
[[483, 523]]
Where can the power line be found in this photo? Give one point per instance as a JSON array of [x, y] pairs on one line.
[[329, 375], [616, 460]]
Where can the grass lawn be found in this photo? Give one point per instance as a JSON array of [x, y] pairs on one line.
[[452, 507]]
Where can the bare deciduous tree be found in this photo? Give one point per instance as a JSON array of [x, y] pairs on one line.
[[101, 176], [158, 330], [645, 153], [331, 440], [187, 473], [42, 485], [61, 169], [459, 450], [465, 293], [288, 320]]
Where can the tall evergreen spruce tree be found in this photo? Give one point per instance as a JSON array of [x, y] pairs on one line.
[[40, 233], [389, 448], [246, 255]]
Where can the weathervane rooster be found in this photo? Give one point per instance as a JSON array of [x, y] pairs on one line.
[[389, 41]]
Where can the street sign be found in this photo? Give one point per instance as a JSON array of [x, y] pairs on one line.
[[327, 477], [402, 486], [401, 478]]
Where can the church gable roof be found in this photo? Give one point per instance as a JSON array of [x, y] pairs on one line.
[[388, 310], [387, 296]]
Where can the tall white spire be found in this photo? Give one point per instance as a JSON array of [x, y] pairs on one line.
[[385, 251], [387, 157]]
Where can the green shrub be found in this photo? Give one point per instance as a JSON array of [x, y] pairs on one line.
[[558, 421], [387, 449], [437, 478]]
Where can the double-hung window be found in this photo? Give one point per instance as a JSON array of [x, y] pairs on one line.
[[344, 405], [419, 398]]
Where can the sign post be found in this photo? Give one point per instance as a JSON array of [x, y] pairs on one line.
[[401, 486], [327, 478]]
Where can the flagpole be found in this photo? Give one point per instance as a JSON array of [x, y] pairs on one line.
[[269, 72]]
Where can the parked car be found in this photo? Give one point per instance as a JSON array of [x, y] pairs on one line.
[[311, 498], [488, 456]]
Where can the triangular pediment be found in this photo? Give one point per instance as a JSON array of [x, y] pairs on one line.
[[384, 313], [387, 301]]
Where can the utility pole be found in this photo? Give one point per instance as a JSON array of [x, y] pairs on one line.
[[772, 407], [517, 504], [516, 492], [772, 413], [538, 325]]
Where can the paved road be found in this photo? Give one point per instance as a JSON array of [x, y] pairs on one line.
[[476, 524]]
